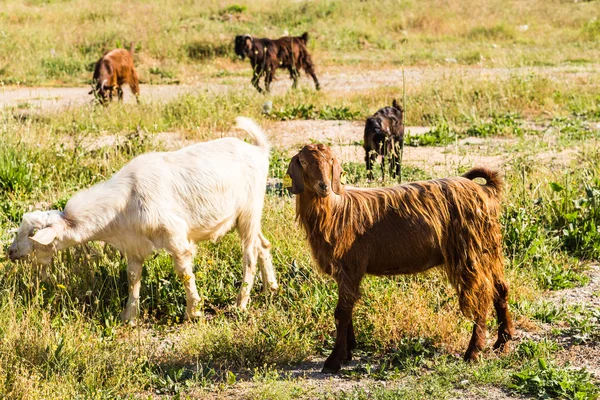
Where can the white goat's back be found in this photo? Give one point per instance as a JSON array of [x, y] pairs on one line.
[[208, 185]]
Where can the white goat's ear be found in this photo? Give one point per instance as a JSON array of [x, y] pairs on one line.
[[45, 236]]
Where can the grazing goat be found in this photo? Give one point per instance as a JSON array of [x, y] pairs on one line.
[[384, 135], [451, 222], [266, 55], [167, 200], [113, 70]]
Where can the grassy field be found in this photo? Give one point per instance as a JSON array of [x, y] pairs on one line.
[[514, 83], [55, 42]]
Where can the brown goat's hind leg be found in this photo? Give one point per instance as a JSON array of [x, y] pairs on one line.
[[477, 342], [134, 85], [506, 329]]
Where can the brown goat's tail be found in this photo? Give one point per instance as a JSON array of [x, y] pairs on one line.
[[131, 48], [493, 180], [304, 37]]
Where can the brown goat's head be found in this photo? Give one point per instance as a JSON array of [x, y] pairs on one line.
[[315, 169], [243, 44], [102, 91]]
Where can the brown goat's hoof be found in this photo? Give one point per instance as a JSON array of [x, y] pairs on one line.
[[331, 366], [471, 356], [501, 346], [329, 370], [348, 358]]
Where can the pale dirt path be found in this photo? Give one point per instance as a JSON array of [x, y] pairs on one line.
[[334, 79]]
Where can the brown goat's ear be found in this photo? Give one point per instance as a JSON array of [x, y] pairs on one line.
[[337, 179], [293, 180], [248, 43]]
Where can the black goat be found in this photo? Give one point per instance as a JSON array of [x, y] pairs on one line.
[[266, 55], [384, 136]]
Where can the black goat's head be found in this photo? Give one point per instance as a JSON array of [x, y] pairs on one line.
[[243, 44]]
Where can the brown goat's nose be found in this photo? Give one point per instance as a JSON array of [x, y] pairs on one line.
[[323, 186], [12, 253]]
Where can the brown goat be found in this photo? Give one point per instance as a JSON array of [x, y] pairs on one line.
[[384, 136], [113, 70], [266, 55], [450, 222]]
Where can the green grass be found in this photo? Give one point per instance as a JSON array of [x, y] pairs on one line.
[[190, 39], [54, 320], [60, 334]]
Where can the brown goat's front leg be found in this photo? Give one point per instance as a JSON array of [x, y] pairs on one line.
[[477, 342], [343, 324], [351, 343], [506, 329]]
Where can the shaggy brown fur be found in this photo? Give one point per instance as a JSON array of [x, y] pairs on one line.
[[451, 223], [266, 55], [113, 70], [384, 136]]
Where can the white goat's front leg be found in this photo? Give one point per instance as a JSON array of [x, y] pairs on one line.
[[249, 273], [184, 262], [266, 265], [134, 278]]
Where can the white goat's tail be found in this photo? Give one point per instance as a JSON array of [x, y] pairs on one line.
[[252, 129]]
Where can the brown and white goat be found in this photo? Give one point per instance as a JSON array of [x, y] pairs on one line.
[[384, 136], [266, 55], [113, 70], [451, 223]]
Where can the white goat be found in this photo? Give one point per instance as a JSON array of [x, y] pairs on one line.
[[167, 200]]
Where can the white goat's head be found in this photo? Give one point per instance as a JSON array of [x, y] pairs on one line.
[[36, 235]]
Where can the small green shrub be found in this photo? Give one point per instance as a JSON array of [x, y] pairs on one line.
[[591, 29], [233, 9], [441, 134], [544, 380], [56, 67], [16, 170], [500, 125], [309, 111]]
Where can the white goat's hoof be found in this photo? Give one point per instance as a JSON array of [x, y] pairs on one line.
[[271, 288], [192, 315], [130, 321]]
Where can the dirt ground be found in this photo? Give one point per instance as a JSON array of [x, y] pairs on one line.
[[342, 80]]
